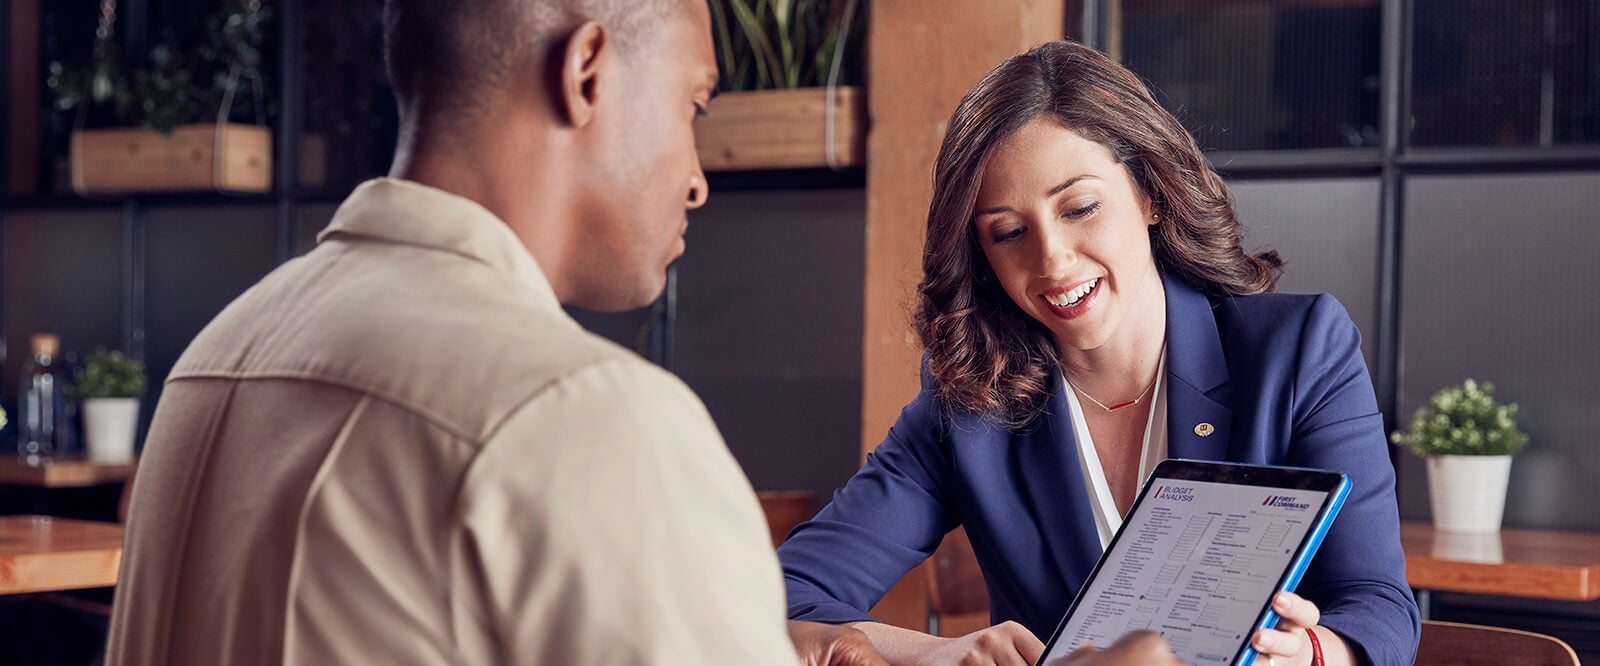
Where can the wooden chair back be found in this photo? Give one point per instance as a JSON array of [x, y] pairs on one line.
[[1454, 644], [785, 509]]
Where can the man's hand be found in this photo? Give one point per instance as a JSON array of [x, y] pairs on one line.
[[821, 644], [1136, 649]]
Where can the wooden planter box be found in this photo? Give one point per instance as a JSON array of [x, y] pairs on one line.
[[782, 129], [110, 161]]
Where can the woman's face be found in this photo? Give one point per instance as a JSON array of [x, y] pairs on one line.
[[1065, 230]]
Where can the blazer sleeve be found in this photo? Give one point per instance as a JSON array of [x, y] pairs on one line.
[[1358, 577], [607, 523], [888, 518]]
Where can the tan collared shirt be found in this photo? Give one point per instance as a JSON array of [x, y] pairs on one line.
[[399, 449]]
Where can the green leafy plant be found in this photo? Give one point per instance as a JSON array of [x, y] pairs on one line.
[[108, 374], [763, 44], [177, 87], [1464, 421]]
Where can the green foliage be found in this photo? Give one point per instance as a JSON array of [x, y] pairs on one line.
[[109, 375], [764, 44], [177, 87], [1464, 421]]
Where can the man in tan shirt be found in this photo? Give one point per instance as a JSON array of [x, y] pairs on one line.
[[400, 449]]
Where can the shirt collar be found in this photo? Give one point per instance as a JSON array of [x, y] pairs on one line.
[[402, 211]]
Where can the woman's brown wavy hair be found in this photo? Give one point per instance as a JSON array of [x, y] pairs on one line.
[[983, 352]]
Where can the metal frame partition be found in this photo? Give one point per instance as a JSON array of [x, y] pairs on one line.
[[1392, 162]]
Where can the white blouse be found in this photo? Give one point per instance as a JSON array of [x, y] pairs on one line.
[[1106, 516]]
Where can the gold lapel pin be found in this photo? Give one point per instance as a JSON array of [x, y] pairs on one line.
[[1204, 430]]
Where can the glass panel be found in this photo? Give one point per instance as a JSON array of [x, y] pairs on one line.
[[1334, 250], [1254, 75], [1496, 73], [350, 117], [63, 275], [1498, 285], [197, 260], [769, 330]]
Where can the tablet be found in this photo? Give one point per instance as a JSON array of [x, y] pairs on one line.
[[1202, 551]]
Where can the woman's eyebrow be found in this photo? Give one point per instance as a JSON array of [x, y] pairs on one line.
[[1053, 191], [1069, 183]]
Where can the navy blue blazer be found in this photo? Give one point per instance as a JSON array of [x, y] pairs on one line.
[[1279, 376]]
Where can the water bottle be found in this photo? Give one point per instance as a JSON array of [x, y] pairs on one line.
[[41, 403]]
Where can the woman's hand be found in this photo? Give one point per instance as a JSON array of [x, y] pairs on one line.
[[1140, 648], [1005, 644], [821, 644], [1288, 645]]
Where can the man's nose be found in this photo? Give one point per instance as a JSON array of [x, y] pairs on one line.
[[699, 190]]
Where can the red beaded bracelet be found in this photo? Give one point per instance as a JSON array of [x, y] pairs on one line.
[[1316, 648]]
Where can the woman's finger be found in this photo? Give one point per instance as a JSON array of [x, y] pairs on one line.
[[1295, 611], [1272, 642]]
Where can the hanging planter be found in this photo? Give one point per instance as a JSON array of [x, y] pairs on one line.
[[789, 99], [174, 119], [227, 157], [784, 129]]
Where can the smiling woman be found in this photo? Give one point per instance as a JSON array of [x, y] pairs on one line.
[[1087, 311], [1067, 104]]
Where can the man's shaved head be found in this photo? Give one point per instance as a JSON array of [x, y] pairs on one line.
[[571, 120], [443, 54]]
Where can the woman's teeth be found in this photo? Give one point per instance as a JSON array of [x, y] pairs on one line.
[[1074, 297]]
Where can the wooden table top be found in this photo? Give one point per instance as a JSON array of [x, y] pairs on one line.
[[1534, 564], [43, 554], [63, 473]]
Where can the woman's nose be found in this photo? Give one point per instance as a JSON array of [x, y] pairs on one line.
[[1056, 253]]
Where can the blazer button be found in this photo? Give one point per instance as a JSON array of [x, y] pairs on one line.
[[1204, 430]]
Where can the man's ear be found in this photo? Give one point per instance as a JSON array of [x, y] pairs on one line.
[[587, 52]]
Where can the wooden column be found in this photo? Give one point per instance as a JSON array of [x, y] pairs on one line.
[[923, 56]]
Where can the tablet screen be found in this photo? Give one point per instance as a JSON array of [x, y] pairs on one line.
[[1196, 561]]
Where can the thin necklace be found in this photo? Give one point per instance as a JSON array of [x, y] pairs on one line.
[[1122, 405]]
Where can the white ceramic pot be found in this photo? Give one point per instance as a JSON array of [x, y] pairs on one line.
[[1468, 493], [110, 426], [1482, 547]]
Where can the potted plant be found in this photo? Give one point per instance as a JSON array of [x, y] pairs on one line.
[[109, 386], [173, 121], [789, 75], [1468, 440]]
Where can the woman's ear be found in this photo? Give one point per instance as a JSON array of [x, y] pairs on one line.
[[582, 78]]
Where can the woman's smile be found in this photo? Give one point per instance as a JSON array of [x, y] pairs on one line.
[[1073, 301]]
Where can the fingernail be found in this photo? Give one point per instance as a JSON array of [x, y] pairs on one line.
[[1282, 602]]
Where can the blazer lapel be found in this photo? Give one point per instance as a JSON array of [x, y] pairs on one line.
[[1058, 492], [1198, 419]]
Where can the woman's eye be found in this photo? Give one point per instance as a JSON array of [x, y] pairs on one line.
[[1082, 212], [1003, 236]]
